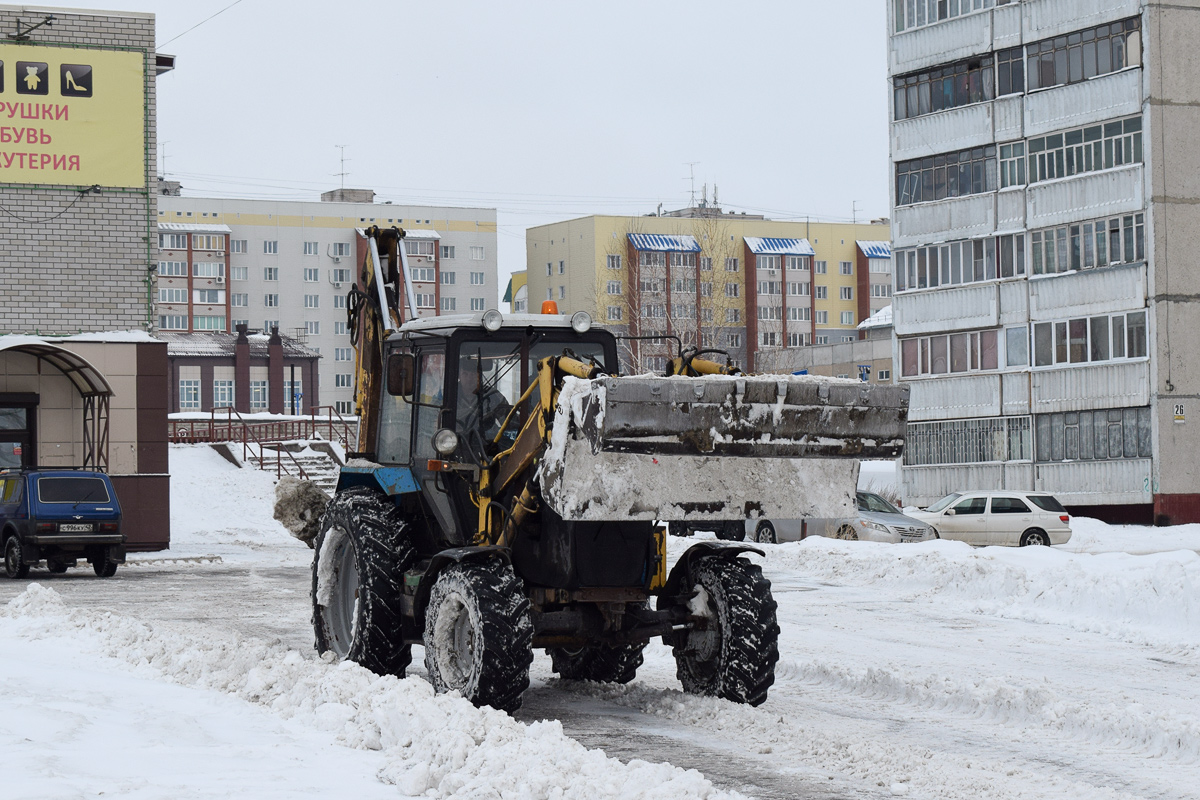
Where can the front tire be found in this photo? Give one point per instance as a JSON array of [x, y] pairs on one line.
[[848, 533], [478, 634], [357, 583], [15, 565], [731, 653]]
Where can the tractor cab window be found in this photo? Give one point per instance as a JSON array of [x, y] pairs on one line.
[[395, 429], [489, 384]]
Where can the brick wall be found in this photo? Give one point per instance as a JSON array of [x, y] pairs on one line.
[[83, 268]]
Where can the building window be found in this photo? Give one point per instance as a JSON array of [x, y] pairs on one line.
[[423, 274], [562, 267], [340, 275], [1012, 165], [968, 441], [883, 375], [614, 313], [822, 338], [614, 287], [1093, 435], [312, 301], [822, 267], [341, 249], [1085, 245], [768, 338], [847, 317], [562, 292], [733, 315], [798, 339], [420, 247], [684, 285], [447, 251], [613, 261], [208, 269], [449, 304], [176, 268], [909, 14], [173, 322], [734, 339], [1096, 147], [706, 264], [549, 269], [259, 396], [448, 278], [880, 266], [344, 406], [846, 292], [766, 262], [1010, 71], [312, 274], [1084, 54], [797, 262], [1089, 339], [477, 278], [339, 328], [270, 273], [311, 248], [769, 287], [961, 262], [170, 295], [172, 241], [341, 380], [271, 247], [208, 296], [239, 273], [683, 259], [343, 354], [881, 290], [948, 86], [222, 394], [957, 174], [846, 267], [271, 300], [312, 327], [822, 317], [189, 395], [803, 314], [731, 265], [822, 292], [706, 289], [270, 325], [770, 312], [477, 304], [237, 246], [477, 254], [950, 354], [651, 258]]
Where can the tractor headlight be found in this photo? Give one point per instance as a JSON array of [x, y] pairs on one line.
[[581, 322], [492, 320], [445, 441]]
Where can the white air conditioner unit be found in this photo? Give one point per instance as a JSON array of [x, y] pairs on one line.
[[220, 279], [337, 259]]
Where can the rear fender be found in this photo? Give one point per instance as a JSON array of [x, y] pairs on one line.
[[681, 574], [454, 555]]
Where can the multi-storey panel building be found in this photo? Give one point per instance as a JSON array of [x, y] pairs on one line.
[[288, 264], [735, 282], [1043, 205]]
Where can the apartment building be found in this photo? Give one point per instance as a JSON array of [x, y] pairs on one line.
[[1044, 209], [705, 278], [290, 265]]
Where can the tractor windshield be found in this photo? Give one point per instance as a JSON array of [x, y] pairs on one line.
[[489, 383]]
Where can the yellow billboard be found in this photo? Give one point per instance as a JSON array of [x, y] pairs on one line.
[[72, 116]]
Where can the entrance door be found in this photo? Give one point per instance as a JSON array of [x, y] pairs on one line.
[[18, 428]]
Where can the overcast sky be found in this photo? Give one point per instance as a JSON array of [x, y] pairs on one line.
[[542, 110]]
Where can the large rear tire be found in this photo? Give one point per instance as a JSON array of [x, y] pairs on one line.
[[357, 581], [732, 652], [478, 634]]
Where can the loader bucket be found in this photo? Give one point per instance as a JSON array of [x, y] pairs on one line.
[[716, 448]]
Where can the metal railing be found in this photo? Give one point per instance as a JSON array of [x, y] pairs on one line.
[[227, 425]]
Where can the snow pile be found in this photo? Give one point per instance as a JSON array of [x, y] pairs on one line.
[[299, 506], [437, 746], [1147, 599]]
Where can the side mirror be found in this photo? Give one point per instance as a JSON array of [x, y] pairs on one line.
[[401, 372], [950, 512]]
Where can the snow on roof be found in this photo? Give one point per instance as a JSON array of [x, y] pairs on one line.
[[880, 319], [410, 233], [476, 320], [109, 336], [194, 226], [772, 245], [875, 249], [664, 243], [220, 344]]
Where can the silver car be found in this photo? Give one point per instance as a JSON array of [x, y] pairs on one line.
[[877, 521]]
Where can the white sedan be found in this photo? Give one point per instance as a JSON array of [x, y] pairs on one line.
[[1002, 517]]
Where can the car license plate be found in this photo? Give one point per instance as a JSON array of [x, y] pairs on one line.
[[74, 527]]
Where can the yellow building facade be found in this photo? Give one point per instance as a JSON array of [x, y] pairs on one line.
[[702, 278]]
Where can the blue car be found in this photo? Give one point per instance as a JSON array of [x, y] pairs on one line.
[[59, 516]]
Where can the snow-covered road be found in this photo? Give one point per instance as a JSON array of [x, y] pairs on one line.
[[928, 671]]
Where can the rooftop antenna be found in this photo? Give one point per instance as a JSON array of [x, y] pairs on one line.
[[162, 161], [343, 173], [691, 165], [854, 212], [715, 203]]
